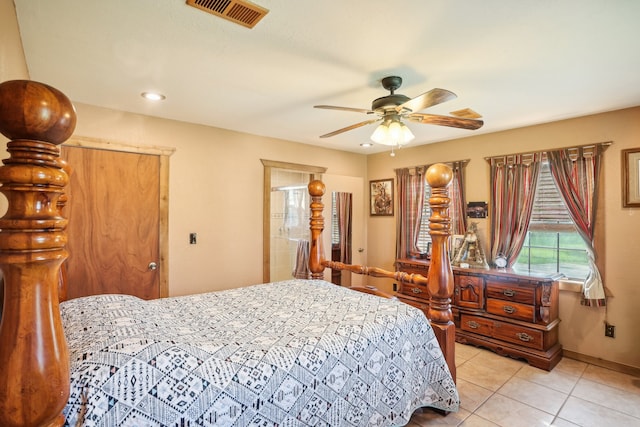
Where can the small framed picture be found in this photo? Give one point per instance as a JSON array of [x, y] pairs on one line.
[[381, 195], [456, 244], [477, 209], [631, 178]]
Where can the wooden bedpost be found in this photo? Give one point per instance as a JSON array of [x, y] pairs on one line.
[[440, 275], [34, 385], [316, 225]]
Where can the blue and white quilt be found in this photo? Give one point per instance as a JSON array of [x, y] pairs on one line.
[[292, 353]]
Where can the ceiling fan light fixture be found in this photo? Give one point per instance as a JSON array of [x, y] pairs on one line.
[[392, 132], [395, 131], [407, 135], [381, 134]]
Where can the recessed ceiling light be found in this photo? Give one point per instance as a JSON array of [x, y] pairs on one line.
[[153, 96], [366, 144]]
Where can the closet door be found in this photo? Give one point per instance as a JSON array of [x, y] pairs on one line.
[[113, 232]]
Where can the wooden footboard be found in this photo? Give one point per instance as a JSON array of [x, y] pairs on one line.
[[440, 277]]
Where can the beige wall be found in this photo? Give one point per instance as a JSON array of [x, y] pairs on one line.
[[582, 328], [12, 62], [215, 190]]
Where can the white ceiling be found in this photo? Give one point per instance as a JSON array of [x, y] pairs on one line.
[[515, 62]]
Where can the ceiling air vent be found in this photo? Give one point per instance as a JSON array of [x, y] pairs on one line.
[[244, 13]]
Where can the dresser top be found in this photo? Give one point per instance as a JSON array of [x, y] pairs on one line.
[[504, 273]]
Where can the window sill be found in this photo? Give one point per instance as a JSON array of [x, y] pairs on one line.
[[570, 285]]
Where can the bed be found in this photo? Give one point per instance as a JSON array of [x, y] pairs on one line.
[[292, 353]]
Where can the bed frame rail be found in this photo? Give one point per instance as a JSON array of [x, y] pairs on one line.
[[439, 280]]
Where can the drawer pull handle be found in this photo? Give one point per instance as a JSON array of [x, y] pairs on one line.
[[473, 325], [416, 290], [524, 337], [509, 309], [509, 293]]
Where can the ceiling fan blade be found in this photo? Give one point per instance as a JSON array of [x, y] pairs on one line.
[[466, 113], [357, 125], [454, 122], [433, 97], [356, 110]]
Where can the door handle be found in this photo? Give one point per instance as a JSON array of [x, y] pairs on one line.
[[153, 266]]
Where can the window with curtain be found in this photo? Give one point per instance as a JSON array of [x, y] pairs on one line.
[[413, 238], [529, 226], [552, 243]]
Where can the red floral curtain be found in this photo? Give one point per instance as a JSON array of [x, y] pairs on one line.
[[513, 187], [577, 174], [457, 207]]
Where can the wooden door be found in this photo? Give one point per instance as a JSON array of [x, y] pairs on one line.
[[113, 232]]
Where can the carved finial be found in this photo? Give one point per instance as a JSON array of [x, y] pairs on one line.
[[316, 188], [439, 175], [51, 119]]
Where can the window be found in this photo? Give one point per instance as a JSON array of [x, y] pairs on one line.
[[413, 239], [552, 244], [424, 238], [335, 229]]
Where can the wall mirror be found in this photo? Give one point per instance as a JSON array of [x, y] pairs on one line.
[[285, 215]]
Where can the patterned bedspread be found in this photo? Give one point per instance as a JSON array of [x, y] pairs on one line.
[[293, 353]]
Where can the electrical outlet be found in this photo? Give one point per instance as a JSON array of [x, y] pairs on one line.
[[395, 287], [609, 330], [193, 238]]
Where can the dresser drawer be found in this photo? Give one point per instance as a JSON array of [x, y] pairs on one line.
[[512, 310], [469, 292], [531, 338], [475, 324], [511, 292], [413, 290]]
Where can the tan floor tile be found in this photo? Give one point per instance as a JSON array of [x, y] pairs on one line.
[[535, 395], [611, 378], [477, 421], [465, 352], [510, 413], [587, 414], [499, 363], [556, 379], [428, 417], [471, 395], [571, 366], [559, 422], [483, 376], [609, 397]]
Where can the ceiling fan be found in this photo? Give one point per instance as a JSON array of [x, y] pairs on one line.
[[392, 108]]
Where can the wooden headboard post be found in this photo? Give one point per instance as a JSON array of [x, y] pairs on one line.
[[316, 225], [440, 276], [34, 386]]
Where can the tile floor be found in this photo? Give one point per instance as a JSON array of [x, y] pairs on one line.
[[500, 391]]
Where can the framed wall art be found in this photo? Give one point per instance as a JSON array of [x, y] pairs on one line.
[[381, 195], [631, 178]]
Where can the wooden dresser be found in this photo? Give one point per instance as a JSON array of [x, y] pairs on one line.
[[512, 314]]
